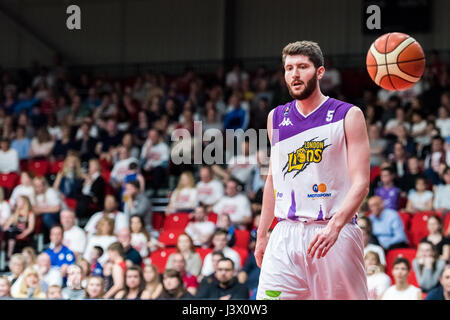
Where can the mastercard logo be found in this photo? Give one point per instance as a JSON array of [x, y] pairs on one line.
[[319, 188]]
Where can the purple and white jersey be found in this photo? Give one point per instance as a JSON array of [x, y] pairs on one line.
[[309, 161], [390, 196]]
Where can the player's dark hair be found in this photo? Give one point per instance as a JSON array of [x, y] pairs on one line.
[[402, 260], [227, 259], [306, 48]]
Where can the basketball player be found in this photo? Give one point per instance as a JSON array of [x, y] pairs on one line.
[[318, 177]]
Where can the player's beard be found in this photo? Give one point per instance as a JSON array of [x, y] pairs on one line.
[[310, 86]]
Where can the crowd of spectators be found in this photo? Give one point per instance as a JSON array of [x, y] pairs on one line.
[[110, 142]]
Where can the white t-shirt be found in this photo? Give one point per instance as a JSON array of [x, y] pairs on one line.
[[120, 222], [22, 190], [377, 284], [238, 207], [409, 294], [101, 241], [208, 268], [200, 230], [49, 198], [377, 249], [139, 242], [52, 277], [444, 127], [120, 169], [242, 166], [9, 161], [419, 200], [75, 239], [154, 155], [185, 198], [417, 127], [210, 192], [442, 199], [5, 212]]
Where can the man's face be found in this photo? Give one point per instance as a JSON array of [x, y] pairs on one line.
[[74, 276], [44, 263], [67, 219], [413, 165], [300, 76], [178, 263], [56, 236], [110, 204], [376, 206], [124, 237], [199, 214], [54, 293], [445, 280], [231, 189], [4, 146], [153, 135], [385, 177], [219, 241], [225, 271], [205, 176], [38, 186]]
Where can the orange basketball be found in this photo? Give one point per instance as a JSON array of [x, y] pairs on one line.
[[395, 61]]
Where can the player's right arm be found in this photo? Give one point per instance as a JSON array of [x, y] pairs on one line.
[[268, 206]]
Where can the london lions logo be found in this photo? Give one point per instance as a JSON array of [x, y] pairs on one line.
[[310, 152]]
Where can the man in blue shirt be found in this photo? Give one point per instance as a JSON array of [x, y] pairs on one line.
[[387, 225], [60, 255]]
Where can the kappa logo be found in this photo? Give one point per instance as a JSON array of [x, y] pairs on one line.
[[286, 122]]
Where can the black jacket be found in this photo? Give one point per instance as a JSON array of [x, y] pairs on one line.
[[212, 290]]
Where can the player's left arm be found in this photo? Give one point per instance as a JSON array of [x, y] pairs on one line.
[[358, 161]]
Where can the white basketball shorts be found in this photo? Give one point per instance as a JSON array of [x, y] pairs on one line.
[[289, 273]]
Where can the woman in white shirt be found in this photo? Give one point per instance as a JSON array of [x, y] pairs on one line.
[[42, 144], [402, 290], [5, 210], [184, 197], [141, 240], [25, 188], [377, 281], [103, 238], [420, 199], [47, 202]]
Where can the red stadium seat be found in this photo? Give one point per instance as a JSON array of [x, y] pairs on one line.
[[243, 253], [23, 165], [242, 238], [39, 167], [407, 253], [418, 227], [160, 256], [170, 237], [55, 167], [158, 220], [71, 203], [406, 218], [446, 224], [177, 221], [9, 181], [374, 173], [203, 252], [212, 217]]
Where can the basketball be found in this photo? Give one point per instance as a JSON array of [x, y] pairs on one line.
[[395, 61]]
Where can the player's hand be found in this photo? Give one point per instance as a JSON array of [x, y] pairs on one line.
[[323, 241], [260, 248]]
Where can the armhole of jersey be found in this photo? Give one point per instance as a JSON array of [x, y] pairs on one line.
[[343, 124]]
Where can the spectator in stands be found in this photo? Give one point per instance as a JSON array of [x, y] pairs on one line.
[[48, 275], [5, 288], [427, 266], [372, 247], [19, 227], [5, 210], [152, 279], [134, 175], [47, 202], [420, 199], [9, 158], [219, 242], [399, 159], [393, 123], [402, 290], [377, 145], [62, 146], [173, 287], [95, 288], [60, 255], [209, 190], [227, 286], [387, 225], [96, 267], [132, 256], [200, 230], [29, 255], [408, 181], [402, 136], [141, 240], [216, 256], [21, 143], [110, 211], [74, 236], [69, 180], [116, 277], [109, 138], [54, 292], [377, 281], [134, 285], [237, 114], [418, 129], [441, 292], [16, 268], [443, 122], [155, 159], [85, 270], [388, 191], [140, 132], [184, 197], [178, 263], [86, 143], [137, 203], [436, 237], [74, 290], [29, 286], [185, 247], [92, 194], [235, 77], [41, 145], [441, 199], [25, 188], [224, 223], [121, 168], [434, 159], [235, 204], [103, 238], [242, 165], [127, 143]]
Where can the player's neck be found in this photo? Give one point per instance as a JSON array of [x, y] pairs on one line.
[[309, 104]]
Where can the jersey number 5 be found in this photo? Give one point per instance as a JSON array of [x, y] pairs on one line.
[[330, 115]]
